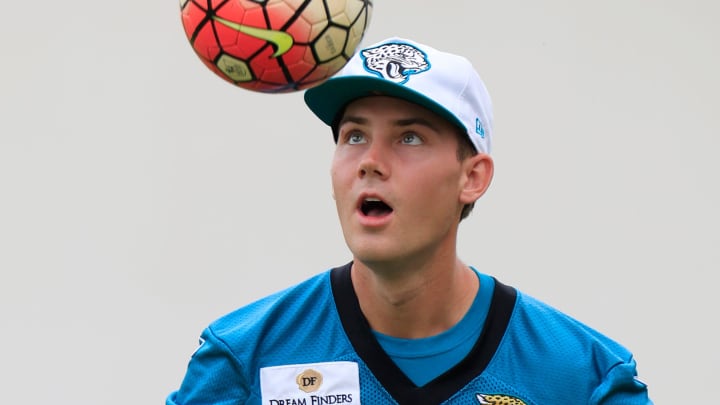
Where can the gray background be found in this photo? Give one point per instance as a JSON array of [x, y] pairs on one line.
[[141, 197]]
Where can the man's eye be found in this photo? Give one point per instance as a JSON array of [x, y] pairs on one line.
[[355, 138], [411, 139]]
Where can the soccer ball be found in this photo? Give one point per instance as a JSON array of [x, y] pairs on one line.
[[275, 46]]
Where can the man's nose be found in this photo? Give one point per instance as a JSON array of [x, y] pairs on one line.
[[374, 161]]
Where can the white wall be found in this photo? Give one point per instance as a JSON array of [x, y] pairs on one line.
[[141, 197]]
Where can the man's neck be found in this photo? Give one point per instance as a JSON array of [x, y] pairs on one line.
[[415, 303]]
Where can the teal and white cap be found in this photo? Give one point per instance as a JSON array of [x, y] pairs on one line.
[[444, 83]]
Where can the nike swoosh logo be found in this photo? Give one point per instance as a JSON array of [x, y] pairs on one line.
[[282, 41]]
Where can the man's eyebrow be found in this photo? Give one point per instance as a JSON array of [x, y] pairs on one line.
[[354, 119], [415, 121]]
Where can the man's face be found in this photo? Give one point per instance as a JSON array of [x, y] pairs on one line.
[[397, 181]]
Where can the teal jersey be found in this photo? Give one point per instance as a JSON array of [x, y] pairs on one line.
[[311, 345]]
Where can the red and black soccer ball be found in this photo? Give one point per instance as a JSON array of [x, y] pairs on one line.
[[275, 46]]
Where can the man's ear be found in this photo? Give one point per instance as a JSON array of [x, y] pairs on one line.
[[478, 173]]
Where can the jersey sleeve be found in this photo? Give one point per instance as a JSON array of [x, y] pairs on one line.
[[622, 387], [213, 376]]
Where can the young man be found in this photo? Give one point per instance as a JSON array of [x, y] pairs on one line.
[[406, 321]]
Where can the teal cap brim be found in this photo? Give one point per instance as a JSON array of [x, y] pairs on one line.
[[330, 98]]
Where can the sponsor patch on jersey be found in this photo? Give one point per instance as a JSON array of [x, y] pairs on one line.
[[496, 399], [330, 383]]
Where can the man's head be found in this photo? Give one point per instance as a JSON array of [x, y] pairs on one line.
[[443, 83]]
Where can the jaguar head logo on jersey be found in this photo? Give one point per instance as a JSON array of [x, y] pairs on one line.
[[309, 380], [395, 61], [485, 399]]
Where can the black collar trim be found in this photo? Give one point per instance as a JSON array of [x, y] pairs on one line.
[[397, 384]]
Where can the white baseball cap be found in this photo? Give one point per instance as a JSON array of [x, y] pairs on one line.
[[444, 83]]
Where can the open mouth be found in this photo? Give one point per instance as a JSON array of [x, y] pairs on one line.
[[374, 207]]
